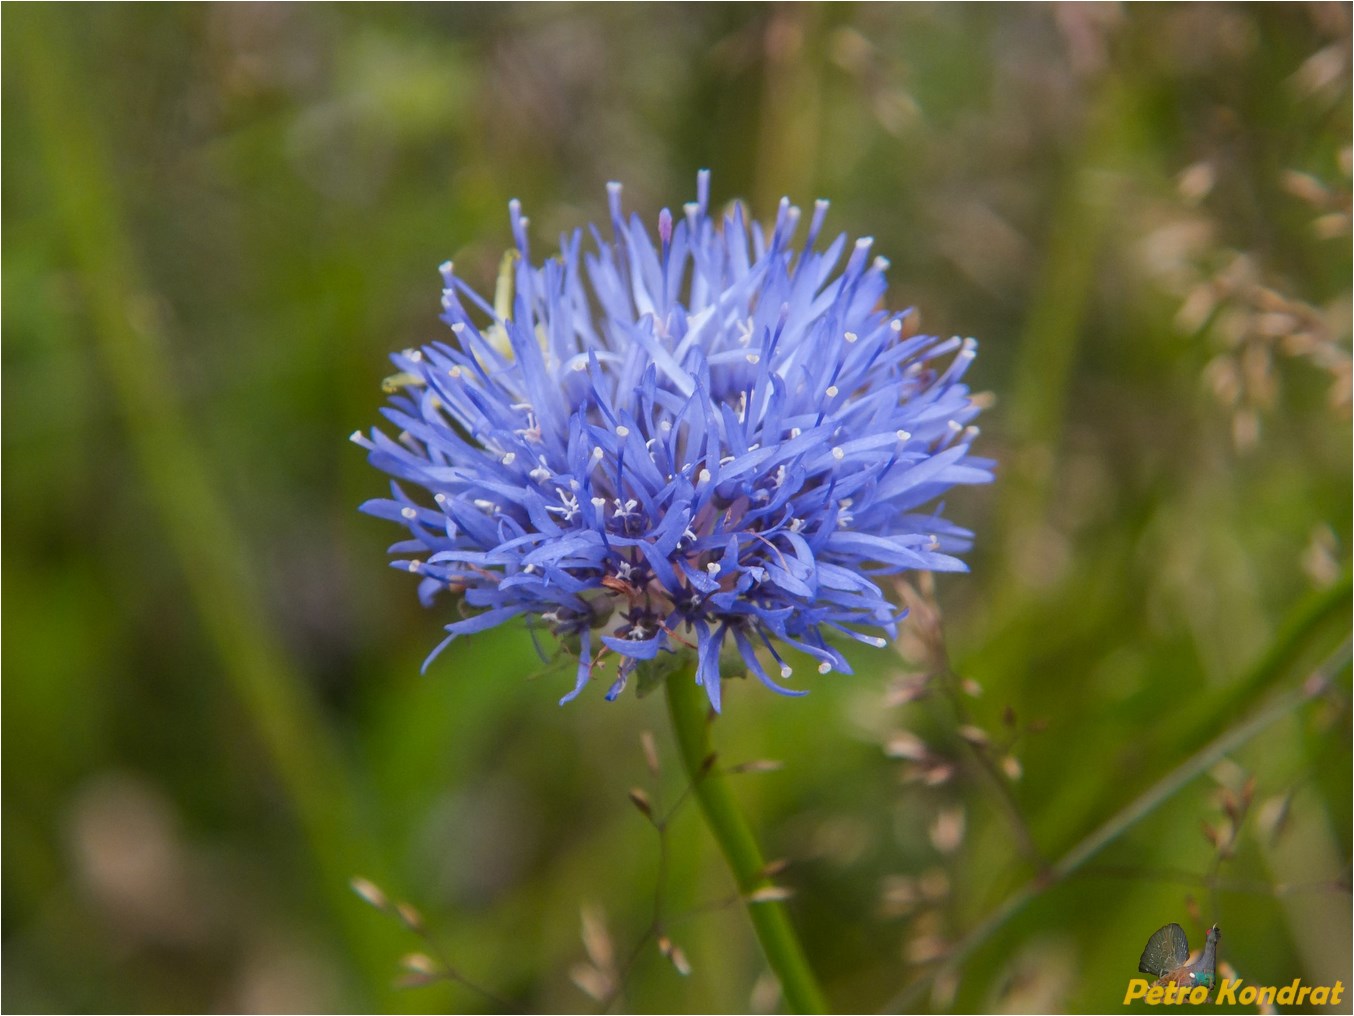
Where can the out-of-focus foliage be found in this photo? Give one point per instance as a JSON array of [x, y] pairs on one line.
[[218, 221]]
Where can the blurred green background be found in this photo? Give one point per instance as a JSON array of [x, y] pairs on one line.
[[219, 219]]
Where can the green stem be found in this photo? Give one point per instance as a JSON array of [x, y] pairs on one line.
[[690, 712]]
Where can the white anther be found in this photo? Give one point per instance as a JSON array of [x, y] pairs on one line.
[[580, 366], [712, 567], [824, 667], [832, 391], [795, 432], [509, 459], [356, 437], [540, 473], [956, 426], [665, 425], [458, 327], [414, 355], [704, 476], [904, 435], [753, 358], [599, 503], [838, 453], [569, 503], [896, 324], [484, 505], [622, 431], [440, 498], [876, 641], [415, 565], [454, 372], [850, 336], [409, 513], [786, 670]]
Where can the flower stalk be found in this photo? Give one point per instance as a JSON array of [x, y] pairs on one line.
[[691, 717]]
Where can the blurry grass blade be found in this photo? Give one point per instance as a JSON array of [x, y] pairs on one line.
[[1129, 816], [193, 514]]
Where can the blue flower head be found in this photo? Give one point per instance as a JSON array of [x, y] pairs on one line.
[[714, 442]]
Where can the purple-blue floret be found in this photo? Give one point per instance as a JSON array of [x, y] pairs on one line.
[[716, 444]]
